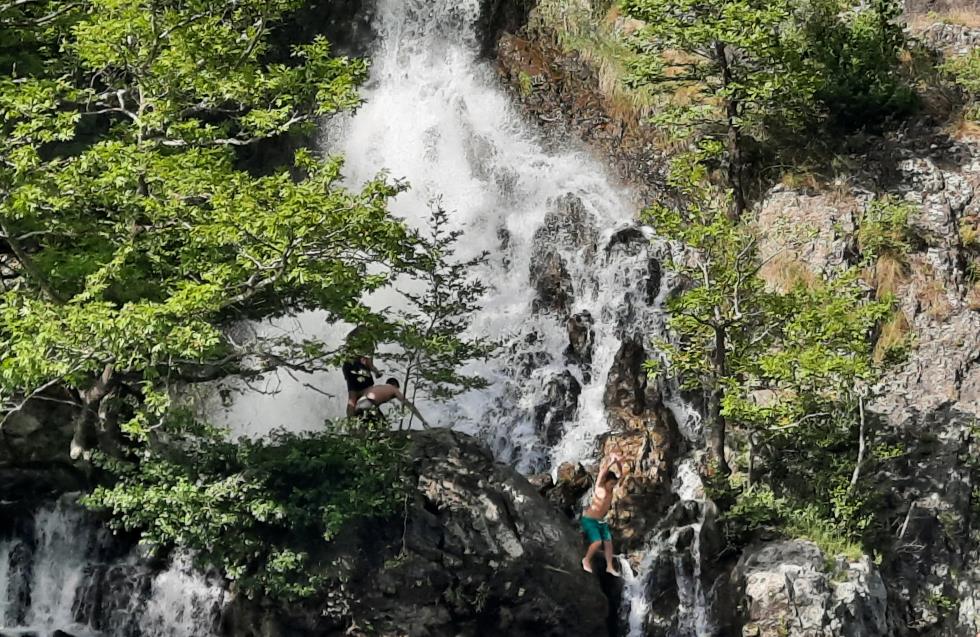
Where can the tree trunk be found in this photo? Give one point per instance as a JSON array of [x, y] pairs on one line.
[[715, 417], [734, 137], [86, 433]]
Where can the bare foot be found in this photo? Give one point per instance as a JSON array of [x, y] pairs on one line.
[[612, 571], [586, 565]]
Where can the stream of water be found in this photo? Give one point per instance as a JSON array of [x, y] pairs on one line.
[[435, 116]]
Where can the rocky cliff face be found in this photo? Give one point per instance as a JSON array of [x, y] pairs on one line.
[[475, 551], [927, 580]]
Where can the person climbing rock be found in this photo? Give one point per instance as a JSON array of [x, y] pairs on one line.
[[596, 531], [357, 374], [368, 405]]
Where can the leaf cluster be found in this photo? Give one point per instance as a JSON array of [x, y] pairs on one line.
[[795, 364], [130, 237], [769, 66], [258, 510], [434, 328]]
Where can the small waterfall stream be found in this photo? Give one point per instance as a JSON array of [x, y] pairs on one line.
[[435, 116], [62, 571]]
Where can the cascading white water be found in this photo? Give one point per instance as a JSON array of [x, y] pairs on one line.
[[62, 542], [59, 574], [435, 116]]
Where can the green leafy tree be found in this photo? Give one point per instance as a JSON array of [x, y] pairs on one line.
[[855, 51], [131, 234], [723, 304], [808, 351], [739, 74], [261, 511], [738, 63], [441, 302]]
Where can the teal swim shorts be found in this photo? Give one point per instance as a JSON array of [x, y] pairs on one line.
[[595, 530]]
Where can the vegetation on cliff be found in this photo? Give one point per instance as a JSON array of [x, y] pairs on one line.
[[140, 225]]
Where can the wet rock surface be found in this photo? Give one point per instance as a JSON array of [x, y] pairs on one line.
[[552, 283], [643, 432], [562, 94], [558, 407], [478, 552]]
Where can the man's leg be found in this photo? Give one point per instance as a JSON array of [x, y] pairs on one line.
[[352, 397], [610, 565], [587, 560]]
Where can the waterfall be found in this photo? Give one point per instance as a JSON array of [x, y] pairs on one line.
[[64, 572], [435, 116]]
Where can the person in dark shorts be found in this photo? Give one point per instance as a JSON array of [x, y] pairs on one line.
[[368, 406], [358, 374], [596, 531]]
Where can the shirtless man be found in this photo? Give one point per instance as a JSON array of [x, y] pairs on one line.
[[596, 531], [367, 406]]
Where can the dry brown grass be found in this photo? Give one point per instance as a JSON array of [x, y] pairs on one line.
[[963, 127], [963, 16], [887, 276], [801, 180], [785, 271], [973, 297], [895, 335]]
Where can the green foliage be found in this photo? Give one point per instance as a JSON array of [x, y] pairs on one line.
[[131, 238], [736, 53], [855, 52], [785, 371], [749, 75], [758, 508], [725, 300], [884, 229], [259, 510], [965, 73], [440, 304]]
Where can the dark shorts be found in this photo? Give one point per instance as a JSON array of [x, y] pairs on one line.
[[357, 375], [595, 530]]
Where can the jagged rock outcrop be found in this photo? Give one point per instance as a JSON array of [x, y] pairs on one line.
[[562, 93], [568, 232], [581, 341], [552, 283], [805, 232], [928, 403], [644, 433], [787, 589], [558, 406], [477, 552], [951, 39]]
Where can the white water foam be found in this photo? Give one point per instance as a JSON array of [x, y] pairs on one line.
[[435, 116], [62, 541], [61, 564], [5, 589], [183, 603]]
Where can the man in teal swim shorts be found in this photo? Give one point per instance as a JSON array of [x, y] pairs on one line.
[[596, 531]]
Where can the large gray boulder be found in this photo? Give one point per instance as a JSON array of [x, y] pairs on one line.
[[476, 551], [787, 589]]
